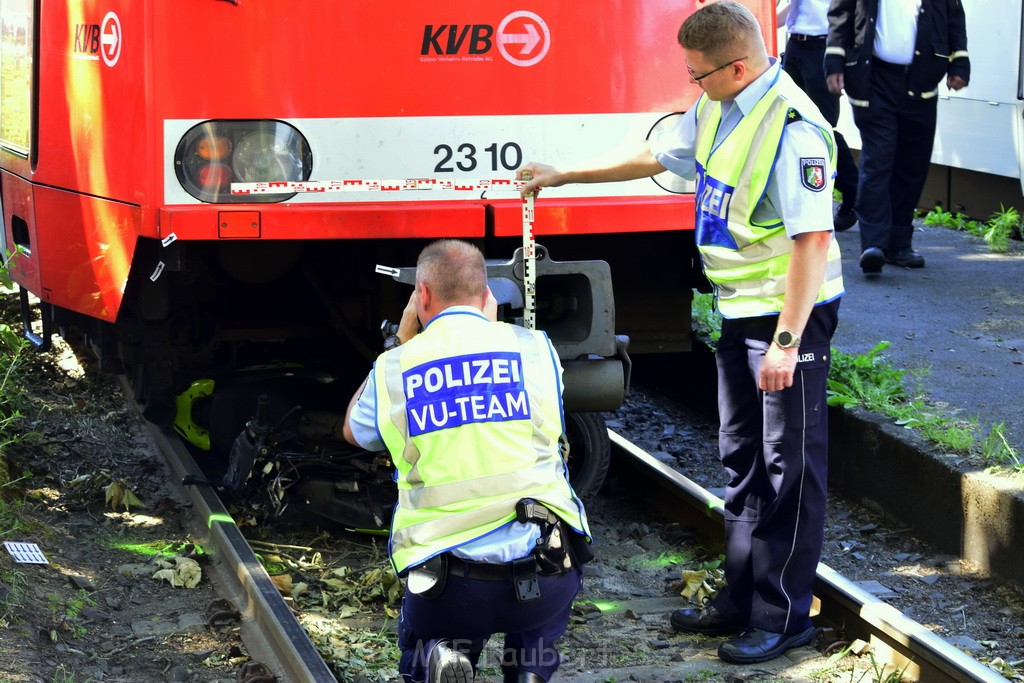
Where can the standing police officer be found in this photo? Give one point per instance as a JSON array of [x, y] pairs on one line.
[[763, 157], [487, 529]]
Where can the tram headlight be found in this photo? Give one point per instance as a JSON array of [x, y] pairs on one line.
[[213, 154], [266, 155]]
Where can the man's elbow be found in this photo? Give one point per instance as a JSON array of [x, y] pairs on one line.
[[346, 431]]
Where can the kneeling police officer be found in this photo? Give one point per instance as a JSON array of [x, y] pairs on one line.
[[487, 530]]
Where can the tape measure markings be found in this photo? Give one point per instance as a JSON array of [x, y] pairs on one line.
[[419, 184], [376, 185]]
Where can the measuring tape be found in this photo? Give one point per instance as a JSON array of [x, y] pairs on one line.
[[529, 261], [376, 185], [419, 184]]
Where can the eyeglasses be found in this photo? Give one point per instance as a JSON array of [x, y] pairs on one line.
[[700, 78]]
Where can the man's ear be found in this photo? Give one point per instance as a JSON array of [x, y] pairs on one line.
[[739, 69], [425, 296]]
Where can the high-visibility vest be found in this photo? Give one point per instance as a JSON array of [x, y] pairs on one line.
[[747, 261], [471, 412]]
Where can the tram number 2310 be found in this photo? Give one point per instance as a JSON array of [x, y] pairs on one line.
[[467, 157]]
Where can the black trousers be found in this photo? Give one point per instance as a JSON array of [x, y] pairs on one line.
[[804, 61], [897, 132], [774, 447], [468, 611]]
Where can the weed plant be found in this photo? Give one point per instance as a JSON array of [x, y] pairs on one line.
[[706, 318], [1002, 226], [66, 614]]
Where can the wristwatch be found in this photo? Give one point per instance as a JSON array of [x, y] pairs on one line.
[[391, 341], [785, 339]]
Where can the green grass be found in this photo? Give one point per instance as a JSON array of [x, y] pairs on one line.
[[15, 583]]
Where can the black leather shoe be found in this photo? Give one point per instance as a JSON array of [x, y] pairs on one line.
[[844, 219], [760, 646], [447, 665], [905, 258], [708, 621], [872, 260]]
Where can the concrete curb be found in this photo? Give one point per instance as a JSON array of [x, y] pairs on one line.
[[966, 512]]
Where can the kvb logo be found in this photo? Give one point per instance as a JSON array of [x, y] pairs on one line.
[[93, 41], [522, 38]]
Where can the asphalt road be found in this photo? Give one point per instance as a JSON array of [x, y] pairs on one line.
[[960, 319]]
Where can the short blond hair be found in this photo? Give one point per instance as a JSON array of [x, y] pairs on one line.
[[722, 31]]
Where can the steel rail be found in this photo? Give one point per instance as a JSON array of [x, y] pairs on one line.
[[274, 618], [895, 639]]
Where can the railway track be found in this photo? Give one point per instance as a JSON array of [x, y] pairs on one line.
[[895, 640], [295, 658]]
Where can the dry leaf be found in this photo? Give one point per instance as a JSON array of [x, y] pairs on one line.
[[283, 583], [180, 572]]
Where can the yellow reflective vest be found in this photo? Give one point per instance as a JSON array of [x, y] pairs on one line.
[[746, 260], [471, 412]]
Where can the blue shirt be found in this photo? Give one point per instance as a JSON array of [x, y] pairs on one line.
[[800, 209], [506, 543], [808, 17]]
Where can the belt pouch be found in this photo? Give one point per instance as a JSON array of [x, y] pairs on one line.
[[427, 580], [524, 578]]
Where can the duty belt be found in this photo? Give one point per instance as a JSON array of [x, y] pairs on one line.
[[551, 557], [483, 571], [522, 573]]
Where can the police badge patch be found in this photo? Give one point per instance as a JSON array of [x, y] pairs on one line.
[[812, 173]]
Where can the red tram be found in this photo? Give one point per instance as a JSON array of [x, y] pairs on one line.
[[123, 124]]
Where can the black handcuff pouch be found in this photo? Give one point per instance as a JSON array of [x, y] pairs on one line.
[[428, 578]]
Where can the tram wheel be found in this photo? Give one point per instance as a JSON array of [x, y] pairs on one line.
[[589, 452]]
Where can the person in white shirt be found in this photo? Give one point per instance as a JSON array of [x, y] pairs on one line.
[[804, 60], [889, 56]]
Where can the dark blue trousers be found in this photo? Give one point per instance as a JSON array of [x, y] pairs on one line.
[[468, 611], [897, 132], [804, 61], [774, 447]]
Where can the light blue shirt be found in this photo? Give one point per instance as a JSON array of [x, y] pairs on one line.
[[809, 17], [506, 543], [787, 198]]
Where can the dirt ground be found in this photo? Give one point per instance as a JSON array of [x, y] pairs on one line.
[[97, 611]]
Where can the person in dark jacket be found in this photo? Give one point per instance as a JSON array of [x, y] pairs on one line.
[[889, 56]]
